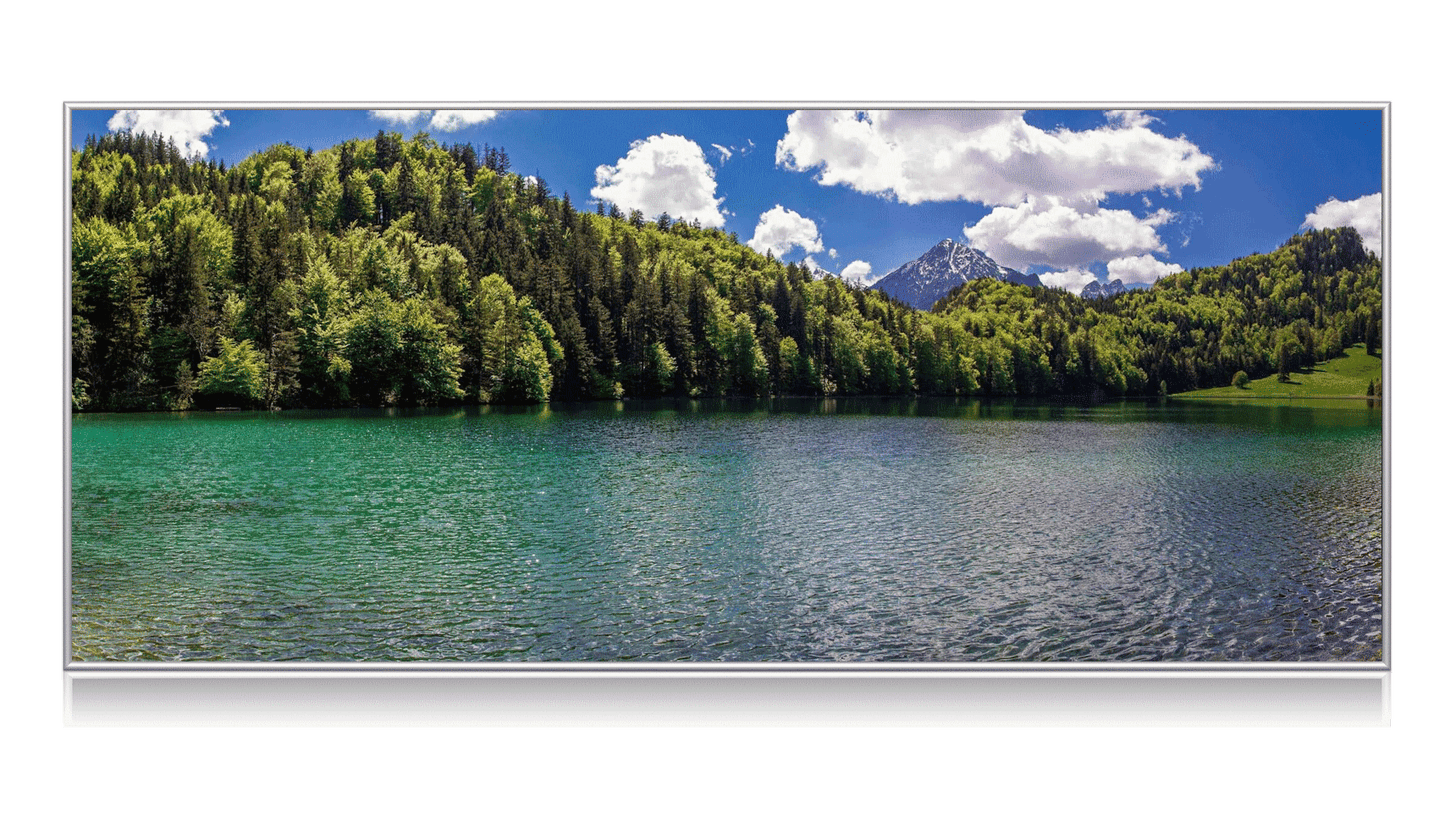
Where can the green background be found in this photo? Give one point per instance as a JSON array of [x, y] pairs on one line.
[[266, 49]]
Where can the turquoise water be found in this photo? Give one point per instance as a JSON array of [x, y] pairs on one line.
[[793, 530]]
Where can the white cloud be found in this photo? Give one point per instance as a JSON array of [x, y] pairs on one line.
[[991, 157], [450, 121], [1146, 269], [780, 230], [1070, 279], [1363, 213], [1129, 118], [400, 116], [723, 153], [833, 253], [858, 273], [1046, 186], [1044, 231], [663, 173], [1159, 218], [186, 127]]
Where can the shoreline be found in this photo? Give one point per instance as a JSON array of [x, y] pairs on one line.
[[1279, 397], [1019, 400]]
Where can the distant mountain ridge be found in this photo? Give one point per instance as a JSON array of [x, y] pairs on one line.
[[1097, 290], [924, 281]]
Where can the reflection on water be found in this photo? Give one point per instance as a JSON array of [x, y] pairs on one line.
[[784, 530]]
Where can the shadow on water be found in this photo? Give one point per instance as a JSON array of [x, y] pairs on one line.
[[1283, 414], [1334, 415]]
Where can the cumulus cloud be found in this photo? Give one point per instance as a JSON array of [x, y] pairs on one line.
[[858, 273], [1070, 279], [781, 230], [402, 117], [1044, 231], [1146, 269], [992, 157], [187, 128], [833, 253], [450, 121], [1046, 187], [663, 173], [1363, 213]]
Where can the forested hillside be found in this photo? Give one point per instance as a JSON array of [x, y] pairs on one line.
[[391, 271], [1264, 314]]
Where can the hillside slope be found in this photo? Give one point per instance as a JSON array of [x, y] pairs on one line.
[[391, 271]]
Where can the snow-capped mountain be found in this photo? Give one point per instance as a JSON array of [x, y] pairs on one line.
[[1095, 290], [946, 266]]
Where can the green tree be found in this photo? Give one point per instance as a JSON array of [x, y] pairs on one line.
[[662, 367], [525, 377], [322, 306], [1287, 354], [399, 354], [188, 258], [752, 365], [185, 387], [511, 350], [792, 367], [110, 333], [235, 376], [1240, 380]]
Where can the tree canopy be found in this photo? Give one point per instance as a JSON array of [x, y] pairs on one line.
[[401, 271]]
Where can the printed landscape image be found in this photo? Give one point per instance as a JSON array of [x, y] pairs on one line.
[[747, 385]]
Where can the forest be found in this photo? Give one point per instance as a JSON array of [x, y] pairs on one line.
[[405, 272]]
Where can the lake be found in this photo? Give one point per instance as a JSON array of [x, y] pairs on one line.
[[791, 530]]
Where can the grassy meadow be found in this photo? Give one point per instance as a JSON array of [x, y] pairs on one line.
[[1347, 377]]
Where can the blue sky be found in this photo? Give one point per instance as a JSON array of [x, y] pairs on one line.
[[1071, 194]]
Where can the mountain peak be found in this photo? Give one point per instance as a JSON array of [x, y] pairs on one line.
[[945, 266], [1099, 290]]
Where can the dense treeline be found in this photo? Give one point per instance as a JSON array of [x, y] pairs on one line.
[[392, 271], [1264, 314]]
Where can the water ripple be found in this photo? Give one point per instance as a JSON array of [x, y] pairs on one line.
[[729, 533]]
